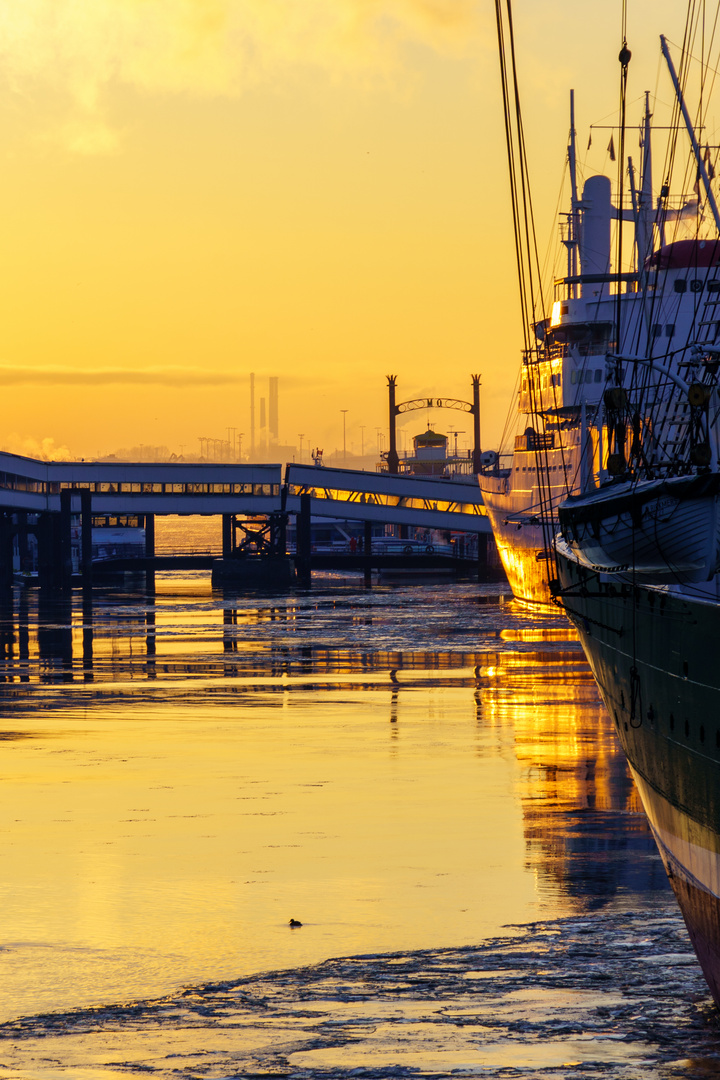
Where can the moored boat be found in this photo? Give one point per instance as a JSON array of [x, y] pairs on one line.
[[610, 323], [637, 559]]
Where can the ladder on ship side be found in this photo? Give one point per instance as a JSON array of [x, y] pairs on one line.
[[708, 327]]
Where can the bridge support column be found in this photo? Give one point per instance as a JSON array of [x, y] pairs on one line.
[[482, 563], [367, 552], [227, 535], [304, 543], [150, 553], [65, 538], [149, 536], [86, 534], [48, 571], [6, 552], [23, 545]]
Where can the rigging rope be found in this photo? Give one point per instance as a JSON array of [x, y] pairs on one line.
[[526, 253]]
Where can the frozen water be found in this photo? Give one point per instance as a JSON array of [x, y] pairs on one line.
[[573, 997]]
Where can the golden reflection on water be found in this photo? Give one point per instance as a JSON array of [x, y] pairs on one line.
[[173, 802], [586, 834]]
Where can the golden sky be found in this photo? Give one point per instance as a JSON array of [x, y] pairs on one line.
[[313, 189]]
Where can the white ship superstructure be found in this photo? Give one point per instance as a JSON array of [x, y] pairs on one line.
[[672, 297]]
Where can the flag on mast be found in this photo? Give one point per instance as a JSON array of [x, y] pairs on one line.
[[708, 163], [611, 149]]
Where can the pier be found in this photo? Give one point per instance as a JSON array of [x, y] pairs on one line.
[[61, 503]]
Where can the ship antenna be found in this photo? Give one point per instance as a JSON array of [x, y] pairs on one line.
[[624, 58]]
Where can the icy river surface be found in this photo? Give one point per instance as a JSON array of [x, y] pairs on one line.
[[422, 776]]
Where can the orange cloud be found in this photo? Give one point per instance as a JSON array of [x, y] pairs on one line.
[[202, 47]]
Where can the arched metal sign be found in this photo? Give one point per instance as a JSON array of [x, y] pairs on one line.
[[434, 403]]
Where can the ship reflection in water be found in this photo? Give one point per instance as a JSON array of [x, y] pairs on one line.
[[586, 834], [184, 771]]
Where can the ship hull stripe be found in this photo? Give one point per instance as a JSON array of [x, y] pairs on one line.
[[700, 906], [673, 828]]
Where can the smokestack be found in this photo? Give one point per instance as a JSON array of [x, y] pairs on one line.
[[273, 410], [595, 236], [252, 416], [263, 425]]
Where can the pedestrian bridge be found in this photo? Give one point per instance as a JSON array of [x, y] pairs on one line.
[[144, 488], [140, 487], [424, 501]]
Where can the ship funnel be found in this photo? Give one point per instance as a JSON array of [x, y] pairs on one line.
[[595, 232]]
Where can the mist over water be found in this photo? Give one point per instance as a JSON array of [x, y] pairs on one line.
[[399, 769]]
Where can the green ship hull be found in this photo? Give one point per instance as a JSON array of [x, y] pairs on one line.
[[656, 658]]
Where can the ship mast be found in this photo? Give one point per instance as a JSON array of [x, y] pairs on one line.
[[691, 132], [572, 241], [645, 199]]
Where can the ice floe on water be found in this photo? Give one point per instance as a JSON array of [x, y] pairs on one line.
[[607, 995]]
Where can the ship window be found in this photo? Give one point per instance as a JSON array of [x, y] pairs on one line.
[[573, 377], [588, 376], [670, 330], [680, 285], [714, 285], [657, 329], [696, 285], [598, 375]]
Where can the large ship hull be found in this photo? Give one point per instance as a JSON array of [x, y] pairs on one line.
[[522, 550], [523, 514], [654, 656]]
